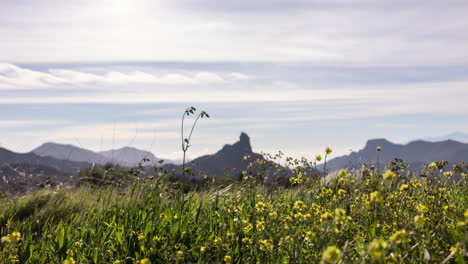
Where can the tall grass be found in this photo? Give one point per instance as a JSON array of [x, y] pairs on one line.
[[356, 217]]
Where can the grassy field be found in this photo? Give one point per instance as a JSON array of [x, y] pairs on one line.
[[358, 217]]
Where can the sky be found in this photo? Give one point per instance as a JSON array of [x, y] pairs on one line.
[[295, 75]]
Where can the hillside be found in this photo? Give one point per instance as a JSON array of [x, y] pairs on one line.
[[416, 153], [126, 156]]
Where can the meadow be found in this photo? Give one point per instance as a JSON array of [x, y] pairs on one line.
[[361, 216]]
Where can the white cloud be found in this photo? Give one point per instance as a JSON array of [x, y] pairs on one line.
[[13, 77], [357, 32]]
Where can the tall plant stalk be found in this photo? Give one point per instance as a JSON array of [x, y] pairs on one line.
[[186, 141]]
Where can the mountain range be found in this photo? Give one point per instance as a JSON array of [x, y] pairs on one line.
[[126, 156], [415, 153], [56, 162]]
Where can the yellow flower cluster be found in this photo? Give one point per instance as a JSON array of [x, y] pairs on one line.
[[13, 237]]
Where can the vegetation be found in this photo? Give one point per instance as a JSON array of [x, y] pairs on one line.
[[354, 217]]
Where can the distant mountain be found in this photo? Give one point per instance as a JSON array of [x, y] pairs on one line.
[[69, 152], [9, 157], [227, 161], [457, 136], [415, 152], [126, 156]]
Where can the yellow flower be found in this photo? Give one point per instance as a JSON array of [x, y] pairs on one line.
[[327, 216], [266, 245], [328, 150], [273, 215], [145, 261], [448, 174], [260, 206], [5, 239], [331, 255], [400, 237], [180, 254], [422, 209], [246, 241], [377, 248], [389, 175], [248, 228], [340, 215], [342, 173], [318, 157], [433, 166], [419, 220], [69, 260], [378, 149], [141, 237], [260, 226], [342, 192], [466, 213], [376, 197], [15, 236], [217, 240], [202, 249], [299, 205], [404, 187], [227, 259]]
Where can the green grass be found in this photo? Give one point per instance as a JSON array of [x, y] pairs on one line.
[[245, 222]]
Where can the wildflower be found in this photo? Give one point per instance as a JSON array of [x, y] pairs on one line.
[[248, 228], [328, 150], [400, 236], [318, 157], [70, 253], [202, 249], [180, 254], [78, 244], [389, 175], [340, 215], [260, 206], [69, 260], [342, 192], [260, 226], [273, 215], [217, 240], [227, 259], [145, 261], [326, 217], [422, 209], [299, 205], [466, 213], [404, 187], [331, 255], [377, 248], [342, 173], [378, 149], [266, 245], [376, 197], [448, 174], [419, 221], [141, 237], [433, 166], [246, 241], [5, 239]]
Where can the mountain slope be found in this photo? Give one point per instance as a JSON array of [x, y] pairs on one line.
[[128, 156], [69, 152], [415, 152], [9, 157]]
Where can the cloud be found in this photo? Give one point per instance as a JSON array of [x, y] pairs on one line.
[[337, 32], [14, 77]]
